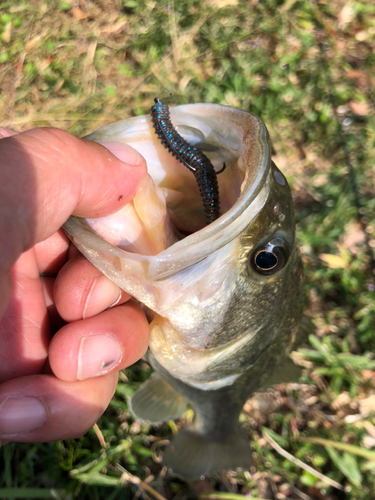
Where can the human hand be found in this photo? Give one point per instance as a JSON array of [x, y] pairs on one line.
[[57, 389]]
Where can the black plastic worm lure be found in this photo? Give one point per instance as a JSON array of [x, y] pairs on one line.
[[191, 157]]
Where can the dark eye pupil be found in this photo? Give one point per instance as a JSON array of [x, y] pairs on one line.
[[269, 259], [266, 260]]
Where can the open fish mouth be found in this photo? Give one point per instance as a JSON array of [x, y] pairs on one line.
[[226, 135], [164, 254]]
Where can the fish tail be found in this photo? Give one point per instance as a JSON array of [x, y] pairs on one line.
[[156, 401], [192, 455]]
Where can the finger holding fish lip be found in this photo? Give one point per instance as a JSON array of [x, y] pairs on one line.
[[52, 253], [81, 291], [95, 346], [35, 407]]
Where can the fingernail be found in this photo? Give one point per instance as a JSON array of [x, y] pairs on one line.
[[21, 414], [123, 152], [97, 355], [103, 294], [116, 301]]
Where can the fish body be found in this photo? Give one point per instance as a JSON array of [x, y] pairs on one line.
[[225, 302]]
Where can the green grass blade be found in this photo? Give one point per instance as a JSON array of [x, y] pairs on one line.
[[347, 465], [350, 448]]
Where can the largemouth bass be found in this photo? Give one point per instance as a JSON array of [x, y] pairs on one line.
[[224, 299]]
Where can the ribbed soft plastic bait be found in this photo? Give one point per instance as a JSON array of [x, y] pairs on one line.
[[191, 157]]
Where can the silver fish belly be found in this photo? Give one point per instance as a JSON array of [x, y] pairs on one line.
[[226, 300]]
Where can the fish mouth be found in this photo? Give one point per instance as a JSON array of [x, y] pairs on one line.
[[225, 134]]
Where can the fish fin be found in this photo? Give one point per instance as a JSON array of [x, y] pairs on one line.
[[191, 455], [283, 374], [306, 328], [156, 401], [286, 371]]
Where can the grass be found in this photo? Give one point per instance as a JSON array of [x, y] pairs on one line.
[[79, 65]]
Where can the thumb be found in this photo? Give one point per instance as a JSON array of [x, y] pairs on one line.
[[49, 174]]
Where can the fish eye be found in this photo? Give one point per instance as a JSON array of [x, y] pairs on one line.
[[270, 258]]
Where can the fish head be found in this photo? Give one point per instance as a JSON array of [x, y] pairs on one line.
[[218, 295]]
